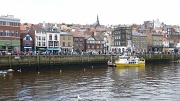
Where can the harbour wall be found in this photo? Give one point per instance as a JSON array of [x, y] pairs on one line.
[[49, 61]]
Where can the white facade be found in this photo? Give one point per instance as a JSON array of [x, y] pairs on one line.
[[157, 23], [53, 40], [40, 39]]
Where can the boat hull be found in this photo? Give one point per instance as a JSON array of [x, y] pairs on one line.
[[126, 65], [140, 63]]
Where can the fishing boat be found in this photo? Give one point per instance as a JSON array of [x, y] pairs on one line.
[[129, 61]]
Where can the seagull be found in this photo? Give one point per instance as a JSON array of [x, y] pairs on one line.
[[19, 70], [79, 98]]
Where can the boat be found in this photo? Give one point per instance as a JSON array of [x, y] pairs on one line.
[[129, 61]]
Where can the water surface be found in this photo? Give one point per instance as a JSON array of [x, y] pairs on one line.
[[97, 83]]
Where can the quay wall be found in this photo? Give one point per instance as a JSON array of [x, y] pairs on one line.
[[43, 61]]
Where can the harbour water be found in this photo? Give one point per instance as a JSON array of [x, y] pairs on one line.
[[94, 83]]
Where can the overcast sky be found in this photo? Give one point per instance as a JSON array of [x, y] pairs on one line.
[[85, 11]]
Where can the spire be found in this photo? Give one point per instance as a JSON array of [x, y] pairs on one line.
[[98, 20]]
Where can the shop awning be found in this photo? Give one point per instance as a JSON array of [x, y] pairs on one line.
[[52, 48], [41, 48]]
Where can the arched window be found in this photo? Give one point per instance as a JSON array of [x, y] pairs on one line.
[[55, 37]]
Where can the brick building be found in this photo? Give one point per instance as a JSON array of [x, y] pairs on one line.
[[9, 34]]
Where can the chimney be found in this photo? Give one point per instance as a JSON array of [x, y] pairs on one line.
[[44, 24], [56, 25]]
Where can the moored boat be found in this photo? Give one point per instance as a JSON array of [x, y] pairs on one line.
[[129, 61]]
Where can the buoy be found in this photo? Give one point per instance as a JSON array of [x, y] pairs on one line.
[[60, 71], [84, 69], [92, 66]]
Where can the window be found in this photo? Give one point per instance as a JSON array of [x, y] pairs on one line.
[[43, 32], [55, 38], [7, 23], [27, 37], [27, 43], [7, 33], [92, 46], [50, 37], [50, 43], [16, 33], [63, 37], [39, 37], [56, 43], [16, 24], [76, 39], [69, 44], [44, 44], [80, 44], [1, 23], [43, 38], [12, 23], [1, 32], [97, 46], [39, 44], [81, 39], [12, 33], [63, 43], [88, 46], [69, 38], [76, 44]]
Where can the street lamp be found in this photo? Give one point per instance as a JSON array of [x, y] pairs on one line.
[[11, 47]]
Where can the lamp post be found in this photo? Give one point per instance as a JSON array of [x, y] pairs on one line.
[[11, 47]]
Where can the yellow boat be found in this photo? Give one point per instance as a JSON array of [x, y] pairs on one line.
[[129, 61]]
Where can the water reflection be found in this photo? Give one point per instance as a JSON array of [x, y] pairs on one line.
[[100, 83]]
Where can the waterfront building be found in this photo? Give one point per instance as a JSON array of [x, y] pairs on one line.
[[38, 34], [155, 42], [9, 34], [78, 41], [139, 42], [66, 42], [166, 44], [52, 38], [26, 41], [122, 39], [94, 43]]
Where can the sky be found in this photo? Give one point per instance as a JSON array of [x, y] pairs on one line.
[[110, 12]]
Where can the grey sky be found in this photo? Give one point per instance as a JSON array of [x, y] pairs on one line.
[[85, 11]]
